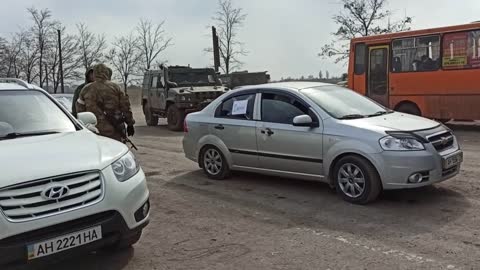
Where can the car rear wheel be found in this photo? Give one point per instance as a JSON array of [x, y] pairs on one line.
[[214, 164], [356, 180], [175, 118], [152, 120]]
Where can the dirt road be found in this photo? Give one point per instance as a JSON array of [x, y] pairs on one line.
[[258, 222]]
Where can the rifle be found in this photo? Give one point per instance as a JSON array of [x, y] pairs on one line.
[[132, 145], [117, 119]]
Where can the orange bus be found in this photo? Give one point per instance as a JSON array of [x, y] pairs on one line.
[[434, 72]]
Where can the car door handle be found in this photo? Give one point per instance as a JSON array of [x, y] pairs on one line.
[[267, 131], [220, 127]]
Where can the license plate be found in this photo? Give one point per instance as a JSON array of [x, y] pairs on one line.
[[452, 161], [62, 243]]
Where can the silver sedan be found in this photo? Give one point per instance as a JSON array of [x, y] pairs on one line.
[[320, 132]]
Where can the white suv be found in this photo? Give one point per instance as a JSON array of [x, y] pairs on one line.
[[63, 189]]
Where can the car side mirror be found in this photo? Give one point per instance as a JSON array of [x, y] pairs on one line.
[[87, 118], [303, 121]]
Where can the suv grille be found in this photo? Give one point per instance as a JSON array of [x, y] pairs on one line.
[[442, 141], [28, 201]]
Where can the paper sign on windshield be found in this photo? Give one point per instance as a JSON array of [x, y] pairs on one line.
[[239, 107]]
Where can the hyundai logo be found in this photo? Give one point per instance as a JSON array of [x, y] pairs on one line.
[[55, 192]]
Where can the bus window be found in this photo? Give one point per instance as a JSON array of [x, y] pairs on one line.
[[360, 59], [461, 50], [416, 54]]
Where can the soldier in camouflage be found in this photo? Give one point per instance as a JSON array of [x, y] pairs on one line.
[[109, 104], [88, 79]]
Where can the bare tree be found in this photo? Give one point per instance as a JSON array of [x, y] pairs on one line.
[[125, 58], [361, 18], [42, 28], [28, 57], [152, 40], [320, 74], [228, 20], [327, 75], [4, 52], [92, 47], [13, 54]]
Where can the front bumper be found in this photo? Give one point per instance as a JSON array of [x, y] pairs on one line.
[[115, 212], [395, 167]]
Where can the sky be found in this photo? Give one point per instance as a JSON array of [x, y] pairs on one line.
[[282, 37]]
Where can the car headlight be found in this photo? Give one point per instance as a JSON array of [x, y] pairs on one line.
[[183, 98], [125, 167], [401, 143]]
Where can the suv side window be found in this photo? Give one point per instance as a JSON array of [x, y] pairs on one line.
[[281, 108], [238, 107]]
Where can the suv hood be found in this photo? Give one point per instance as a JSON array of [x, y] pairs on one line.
[[32, 158], [394, 122]]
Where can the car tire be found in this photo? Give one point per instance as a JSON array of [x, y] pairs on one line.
[[152, 120], [125, 242], [356, 180], [409, 108], [175, 118], [214, 164]]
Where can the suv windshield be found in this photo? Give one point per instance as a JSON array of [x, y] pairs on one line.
[[343, 103], [24, 113], [201, 77]]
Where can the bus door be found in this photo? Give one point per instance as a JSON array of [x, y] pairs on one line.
[[377, 84]]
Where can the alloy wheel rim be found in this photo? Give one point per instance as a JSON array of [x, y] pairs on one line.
[[351, 180], [213, 161]]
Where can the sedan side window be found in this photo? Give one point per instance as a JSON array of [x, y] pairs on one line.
[[281, 109], [238, 107]]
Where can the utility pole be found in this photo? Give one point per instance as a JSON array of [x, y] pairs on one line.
[[216, 51], [60, 67]]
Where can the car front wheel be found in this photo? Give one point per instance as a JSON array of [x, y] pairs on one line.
[[356, 180]]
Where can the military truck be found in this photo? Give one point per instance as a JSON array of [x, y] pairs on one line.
[[174, 91], [241, 78]]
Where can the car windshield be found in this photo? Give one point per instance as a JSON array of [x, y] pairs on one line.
[[193, 78], [343, 103], [31, 112]]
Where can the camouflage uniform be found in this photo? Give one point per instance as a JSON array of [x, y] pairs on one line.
[[77, 91], [103, 98]]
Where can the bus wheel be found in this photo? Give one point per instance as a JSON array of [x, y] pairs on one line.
[[410, 108]]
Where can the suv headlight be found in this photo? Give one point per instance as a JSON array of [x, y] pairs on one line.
[[125, 167], [401, 143]]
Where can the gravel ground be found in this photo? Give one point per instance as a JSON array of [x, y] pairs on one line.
[[259, 222]]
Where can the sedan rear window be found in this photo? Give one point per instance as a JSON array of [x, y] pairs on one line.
[[238, 107]]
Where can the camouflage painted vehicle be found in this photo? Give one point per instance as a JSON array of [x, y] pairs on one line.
[[173, 92], [241, 78]]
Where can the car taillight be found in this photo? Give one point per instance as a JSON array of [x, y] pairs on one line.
[[185, 127]]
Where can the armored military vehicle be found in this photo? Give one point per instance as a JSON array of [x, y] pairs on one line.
[[174, 91]]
